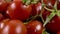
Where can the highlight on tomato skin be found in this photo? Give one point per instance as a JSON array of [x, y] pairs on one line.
[[36, 9], [14, 27], [17, 10], [34, 27]]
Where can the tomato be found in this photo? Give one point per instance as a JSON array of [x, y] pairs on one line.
[[58, 5], [36, 9], [34, 27], [49, 3], [58, 32], [17, 0], [54, 25], [1, 17], [3, 6], [3, 24], [17, 10], [14, 27]]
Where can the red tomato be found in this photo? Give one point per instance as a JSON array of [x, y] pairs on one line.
[[17, 0], [49, 3], [3, 6], [17, 10], [58, 5], [58, 32], [36, 8], [34, 27], [14, 27], [54, 25], [1, 17]]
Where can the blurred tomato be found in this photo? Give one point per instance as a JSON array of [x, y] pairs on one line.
[[34, 27], [17, 10], [36, 8]]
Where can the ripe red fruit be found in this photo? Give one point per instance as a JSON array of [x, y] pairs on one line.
[[36, 8], [34, 27], [58, 5], [58, 32], [49, 3], [17, 0], [3, 24], [1, 17], [17, 10], [54, 25], [14, 27], [3, 6]]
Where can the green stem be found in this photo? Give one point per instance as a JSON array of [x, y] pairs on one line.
[[34, 1], [42, 10], [55, 6], [49, 9], [58, 13], [49, 18]]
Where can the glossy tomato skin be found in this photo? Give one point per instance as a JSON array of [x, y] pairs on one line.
[[3, 24], [3, 6], [34, 27], [45, 14], [36, 9], [14, 27], [54, 25], [1, 16], [49, 3], [17, 10]]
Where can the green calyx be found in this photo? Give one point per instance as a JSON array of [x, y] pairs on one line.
[[52, 14]]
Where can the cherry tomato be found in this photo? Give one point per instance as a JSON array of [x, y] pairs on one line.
[[1, 17], [36, 8], [49, 3], [45, 13], [3, 6], [54, 25], [34, 27], [14, 27], [17, 10], [58, 32], [3, 24]]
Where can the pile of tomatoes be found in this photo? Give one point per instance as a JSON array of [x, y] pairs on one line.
[[29, 16]]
